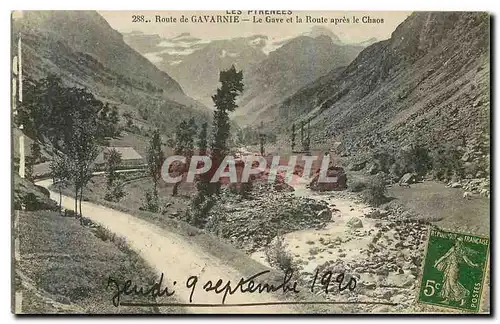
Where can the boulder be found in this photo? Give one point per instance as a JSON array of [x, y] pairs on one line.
[[358, 166], [369, 285], [325, 213], [407, 178], [333, 171], [373, 169], [387, 294], [456, 185], [355, 223], [30, 196]]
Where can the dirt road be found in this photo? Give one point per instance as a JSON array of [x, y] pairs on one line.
[[177, 258]]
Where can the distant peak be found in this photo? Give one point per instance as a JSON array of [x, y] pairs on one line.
[[368, 42], [317, 31], [258, 36], [185, 38], [182, 35], [134, 32]]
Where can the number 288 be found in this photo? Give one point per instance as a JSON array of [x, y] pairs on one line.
[[137, 18]]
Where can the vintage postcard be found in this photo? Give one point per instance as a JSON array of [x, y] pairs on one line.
[[250, 162]]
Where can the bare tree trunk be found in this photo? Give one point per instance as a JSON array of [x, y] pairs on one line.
[[217, 188], [81, 197], [76, 201], [176, 189], [60, 200]]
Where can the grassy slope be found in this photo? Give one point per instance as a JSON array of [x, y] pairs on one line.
[[435, 201], [444, 206], [66, 264]]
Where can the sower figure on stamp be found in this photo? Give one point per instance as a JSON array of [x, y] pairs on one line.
[[449, 264]]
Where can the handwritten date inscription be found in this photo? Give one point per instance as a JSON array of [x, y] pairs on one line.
[[327, 281]]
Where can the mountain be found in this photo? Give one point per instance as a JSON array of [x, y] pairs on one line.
[[317, 31], [428, 84], [143, 43], [196, 63], [83, 50], [368, 42], [298, 62]]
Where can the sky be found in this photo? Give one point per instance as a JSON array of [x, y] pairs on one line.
[[348, 32]]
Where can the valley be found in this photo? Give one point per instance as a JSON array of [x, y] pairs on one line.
[[403, 121]]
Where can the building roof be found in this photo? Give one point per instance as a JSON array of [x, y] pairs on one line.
[[127, 153]]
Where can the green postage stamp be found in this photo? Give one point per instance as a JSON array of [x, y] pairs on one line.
[[454, 270]]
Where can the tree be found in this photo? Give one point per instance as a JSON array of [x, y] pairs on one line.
[[113, 180], [60, 171], [114, 117], [262, 139], [128, 118], [108, 121], [225, 102], [36, 153], [113, 162], [70, 119], [155, 159], [307, 146], [80, 140], [184, 138], [103, 114], [82, 152], [48, 111], [202, 139], [150, 202], [192, 129], [184, 145], [293, 137], [302, 134]]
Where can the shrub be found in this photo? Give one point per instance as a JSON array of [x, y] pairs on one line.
[[104, 234], [314, 250], [415, 159], [357, 186], [246, 189], [375, 192], [396, 171], [215, 216], [383, 159], [151, 202], [199, 211], [115, 192], [70, 213], [446, 162], [278, 256]]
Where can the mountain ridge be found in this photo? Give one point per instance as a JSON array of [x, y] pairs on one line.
[[428, 85], [82, 49], [195, 62], [287, 69]]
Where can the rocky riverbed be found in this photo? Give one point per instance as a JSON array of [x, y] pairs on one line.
[[251, 224], [380, 248]]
